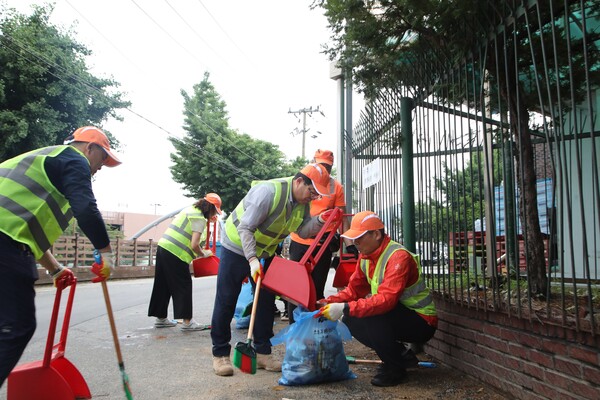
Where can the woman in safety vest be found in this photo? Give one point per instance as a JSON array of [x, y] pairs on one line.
[[386, 301], [177, 247]]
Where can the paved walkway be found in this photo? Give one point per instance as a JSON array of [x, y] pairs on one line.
[[167, 363]]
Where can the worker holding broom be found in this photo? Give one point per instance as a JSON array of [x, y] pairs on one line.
[[299, 246], [40, 192], [265, 216], [386, 301]]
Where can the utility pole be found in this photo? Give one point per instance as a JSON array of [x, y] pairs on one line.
[[156, 205], [304, 111]]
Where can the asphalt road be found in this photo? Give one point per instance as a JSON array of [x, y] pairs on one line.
[[167, 363]]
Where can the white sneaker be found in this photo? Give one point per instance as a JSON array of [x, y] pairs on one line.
[[193, 326], [164, 323]]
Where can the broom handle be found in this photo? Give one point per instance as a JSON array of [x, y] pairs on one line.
[[359, 361], [254, 306], [111, 319]]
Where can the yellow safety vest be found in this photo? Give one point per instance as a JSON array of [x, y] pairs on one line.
[[32, 210], [276, 227], [417, 296], [177, 238]]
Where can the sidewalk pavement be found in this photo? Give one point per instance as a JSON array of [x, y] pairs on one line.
[[168, 363]]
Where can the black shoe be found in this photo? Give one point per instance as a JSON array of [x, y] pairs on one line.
[[389, 377]]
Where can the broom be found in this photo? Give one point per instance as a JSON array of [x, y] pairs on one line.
[[113, 329], [244, 355], [353, 360]]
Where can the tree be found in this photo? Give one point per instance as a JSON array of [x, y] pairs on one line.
[[377, 40], [214, 158], [46, 90], [461, 200]]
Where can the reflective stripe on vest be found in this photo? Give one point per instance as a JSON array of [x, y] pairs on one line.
[[277, 226], [177, 238], [417, 296], [32, 210]]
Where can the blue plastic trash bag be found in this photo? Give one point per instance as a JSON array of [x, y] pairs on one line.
[[314, 350], [246, 297]]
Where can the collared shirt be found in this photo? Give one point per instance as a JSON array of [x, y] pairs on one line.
[[400, 272], [257, 203], [70, 173]]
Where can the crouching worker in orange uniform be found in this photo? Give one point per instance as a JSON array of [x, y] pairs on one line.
[[386, 301]]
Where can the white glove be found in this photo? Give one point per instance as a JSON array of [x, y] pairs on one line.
[[255, 268], [205, 253], [332, 312]]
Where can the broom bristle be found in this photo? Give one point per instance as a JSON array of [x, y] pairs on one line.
[[244, 357]]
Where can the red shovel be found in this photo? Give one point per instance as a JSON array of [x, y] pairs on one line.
[[292, 280], [207, 266], [55, 377]]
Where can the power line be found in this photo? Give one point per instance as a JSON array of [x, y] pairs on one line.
[[166, 32], [195, 32], [103, 36], [226, 34], [87, 85]]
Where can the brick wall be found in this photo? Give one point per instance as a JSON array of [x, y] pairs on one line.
[[524, 359]]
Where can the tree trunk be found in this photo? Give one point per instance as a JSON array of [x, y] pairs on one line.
[[528, 206], [510, 91]]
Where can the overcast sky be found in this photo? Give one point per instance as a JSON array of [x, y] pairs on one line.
[[264, 59]]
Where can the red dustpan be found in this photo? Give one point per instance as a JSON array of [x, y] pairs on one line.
[[292, 280], [55, 377], [344, 271], [207, 266]]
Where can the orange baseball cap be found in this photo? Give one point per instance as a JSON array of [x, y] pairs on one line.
[[215, 200], [94, 135], [362, 223], [319, 177], [324, 156]]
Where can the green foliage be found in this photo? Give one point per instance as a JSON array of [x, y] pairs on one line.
[[395, 43], [463, 204], [214, 158], [46, 90]]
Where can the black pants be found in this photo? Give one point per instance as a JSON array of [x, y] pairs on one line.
[[172, 279], [18, 272], [233, 269], [319, 273], [385, 333]]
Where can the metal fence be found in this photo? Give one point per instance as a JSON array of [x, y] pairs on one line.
[[488, 167]]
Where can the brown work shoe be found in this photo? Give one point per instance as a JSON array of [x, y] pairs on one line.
[[266, 362], [222, 366]]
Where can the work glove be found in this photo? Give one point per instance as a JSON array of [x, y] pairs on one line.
[[332, 312], [352, 250], [205, 253], [102, 267], [255, 268], [324, 216], [62, 277]]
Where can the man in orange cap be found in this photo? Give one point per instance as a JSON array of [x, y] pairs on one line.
[[40, 192], [299, 246], [263, 219], [386, 301]]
